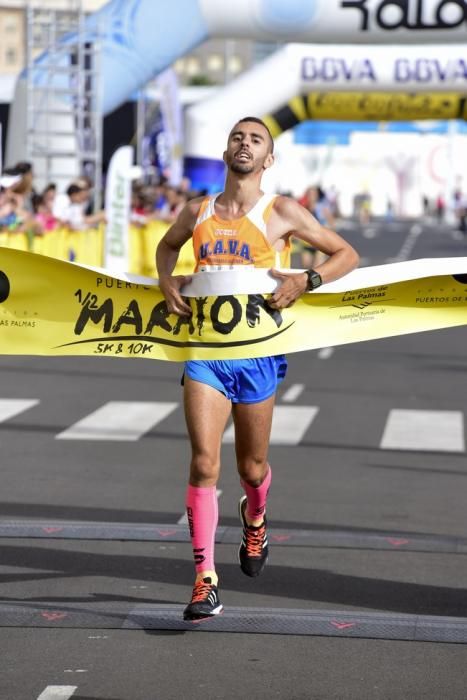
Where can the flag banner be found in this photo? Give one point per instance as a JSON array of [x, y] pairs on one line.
[[52, 307], [117, 209], [172, 119]]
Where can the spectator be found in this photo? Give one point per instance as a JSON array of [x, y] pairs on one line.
[[72, 210], [177, 200], [315, 200], [25, 186], [440, 208], [43, 208], [7, 213], [13, 215], [460, 210], [142, 204]]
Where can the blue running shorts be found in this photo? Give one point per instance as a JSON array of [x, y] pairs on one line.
[[241, 381]]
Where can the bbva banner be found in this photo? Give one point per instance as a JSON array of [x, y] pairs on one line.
[[51, 307]]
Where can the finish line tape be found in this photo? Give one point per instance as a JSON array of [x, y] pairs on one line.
[[51, 307]]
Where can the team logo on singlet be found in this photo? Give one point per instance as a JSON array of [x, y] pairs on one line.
[[225, 232], [230, 248]]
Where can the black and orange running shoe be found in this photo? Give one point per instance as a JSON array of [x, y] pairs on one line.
[[253, 551], [204, 601]]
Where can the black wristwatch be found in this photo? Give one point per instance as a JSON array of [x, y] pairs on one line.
[[313, 280]]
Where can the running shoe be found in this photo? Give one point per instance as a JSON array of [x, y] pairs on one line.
[[253, 551], [204, 601]]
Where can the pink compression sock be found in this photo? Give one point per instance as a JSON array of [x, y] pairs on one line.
[[202, 511], [257, 496]]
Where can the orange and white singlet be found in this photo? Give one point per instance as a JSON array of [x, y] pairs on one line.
[[220, 244], [243, 241]]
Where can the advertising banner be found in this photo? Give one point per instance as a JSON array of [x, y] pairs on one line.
[[366, 106], [385, 106]]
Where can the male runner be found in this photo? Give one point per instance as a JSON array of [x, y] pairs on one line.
[[263, 225]]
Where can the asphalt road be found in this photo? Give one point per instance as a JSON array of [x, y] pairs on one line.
[[369, 542]]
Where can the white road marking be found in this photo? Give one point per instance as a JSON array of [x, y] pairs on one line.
[[289, 424], [12, 407], [325, 353], [424, 430], [369, 232], [119, 420], [57, 692], [184, 519], [75, 670], [408, 244], [293, 392]]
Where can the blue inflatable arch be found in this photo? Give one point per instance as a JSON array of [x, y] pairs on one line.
[[140, 38]]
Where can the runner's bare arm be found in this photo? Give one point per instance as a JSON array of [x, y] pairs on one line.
[[297, 221], [167, 255]]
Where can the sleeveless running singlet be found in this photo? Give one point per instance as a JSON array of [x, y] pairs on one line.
[[221, 244]]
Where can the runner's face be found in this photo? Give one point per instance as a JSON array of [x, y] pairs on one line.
[[248, 149]]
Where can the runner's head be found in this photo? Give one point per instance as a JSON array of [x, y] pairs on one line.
[[250, 147]]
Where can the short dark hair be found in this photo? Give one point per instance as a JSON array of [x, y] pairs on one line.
[[73, 189], [257, 120], [11, 171], [23, 167]]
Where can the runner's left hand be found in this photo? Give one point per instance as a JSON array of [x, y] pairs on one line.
[[292, 286]]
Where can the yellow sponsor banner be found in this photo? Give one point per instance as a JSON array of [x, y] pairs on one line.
[[86, 247], [51, 307], [385, 106], [142, 250]]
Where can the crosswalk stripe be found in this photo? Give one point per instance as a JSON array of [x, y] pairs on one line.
[[292, 393], [325, 353], [119, 420], [424, 430], [405, 429], [11, 407], [57, 692], [289, 424]]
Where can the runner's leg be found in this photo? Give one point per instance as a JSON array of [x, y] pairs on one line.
[[252, 431], [206, 413]]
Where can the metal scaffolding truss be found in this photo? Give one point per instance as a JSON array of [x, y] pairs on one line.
[[64, 115]]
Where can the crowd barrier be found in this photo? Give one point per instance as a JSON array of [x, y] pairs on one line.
[[87, 247]]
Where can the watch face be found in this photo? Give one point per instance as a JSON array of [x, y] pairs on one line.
[[314, 279]]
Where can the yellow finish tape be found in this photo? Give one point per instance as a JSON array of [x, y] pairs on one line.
[[51, 307]]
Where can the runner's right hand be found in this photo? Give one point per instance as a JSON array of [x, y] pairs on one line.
[[170, 288]]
